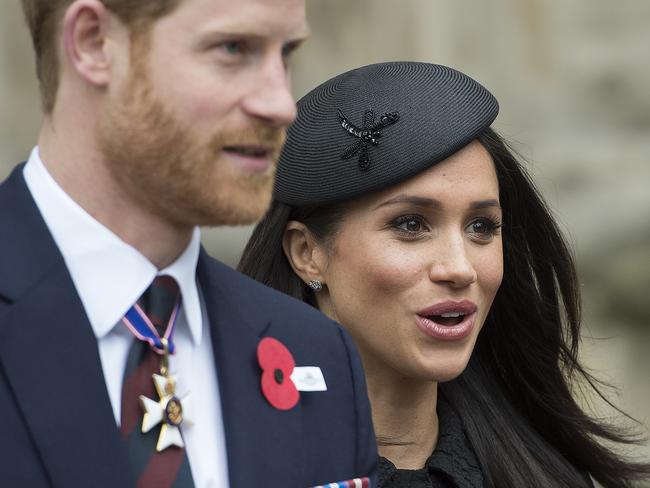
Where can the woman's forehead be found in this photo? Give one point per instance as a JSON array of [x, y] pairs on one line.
[[467, 176]]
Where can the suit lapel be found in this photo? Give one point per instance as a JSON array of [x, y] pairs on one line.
[[49, 353], [262, 442]]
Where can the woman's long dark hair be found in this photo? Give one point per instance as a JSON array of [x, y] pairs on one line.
[[514, 398]]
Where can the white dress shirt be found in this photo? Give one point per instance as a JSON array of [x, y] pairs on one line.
[[110, 276]]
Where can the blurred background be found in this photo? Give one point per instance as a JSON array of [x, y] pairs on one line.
[[573, 81]]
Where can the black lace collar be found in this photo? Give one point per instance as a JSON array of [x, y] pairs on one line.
[[453, 462]]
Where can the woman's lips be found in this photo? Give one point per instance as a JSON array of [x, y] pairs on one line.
[[447, 321], [446, 332]]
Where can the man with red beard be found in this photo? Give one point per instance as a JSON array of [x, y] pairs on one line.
[[127, 355]]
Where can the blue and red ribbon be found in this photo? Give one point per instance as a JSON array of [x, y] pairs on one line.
[[143, 329]]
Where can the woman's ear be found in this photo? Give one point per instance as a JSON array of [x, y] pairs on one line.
[[305, 255]]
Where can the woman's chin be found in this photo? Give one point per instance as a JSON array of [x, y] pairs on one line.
[[446, 374], [443, 369]]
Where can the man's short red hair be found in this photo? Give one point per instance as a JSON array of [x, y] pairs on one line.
[[44, 21]]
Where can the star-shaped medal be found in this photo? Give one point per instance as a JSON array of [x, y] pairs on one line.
[[170, 410]]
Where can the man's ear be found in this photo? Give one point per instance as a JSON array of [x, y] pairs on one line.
[[306, 256], [85, 34]]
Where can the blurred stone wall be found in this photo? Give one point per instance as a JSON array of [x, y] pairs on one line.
[[573, 81]]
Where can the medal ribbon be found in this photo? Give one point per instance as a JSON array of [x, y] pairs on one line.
[[143, 329]]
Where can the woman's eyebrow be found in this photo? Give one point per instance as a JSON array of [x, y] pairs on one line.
[[413, 200], [435, 204], [484, 204]]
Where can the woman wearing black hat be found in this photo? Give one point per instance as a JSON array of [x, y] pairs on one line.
[[401, 214]]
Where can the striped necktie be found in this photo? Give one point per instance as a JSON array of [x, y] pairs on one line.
[[168, 468]]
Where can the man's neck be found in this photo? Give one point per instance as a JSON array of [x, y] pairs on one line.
[[80, 171]]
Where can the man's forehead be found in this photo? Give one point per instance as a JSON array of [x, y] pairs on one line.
[[285, 18]]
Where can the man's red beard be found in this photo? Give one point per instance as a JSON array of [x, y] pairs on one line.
[[166, 168]]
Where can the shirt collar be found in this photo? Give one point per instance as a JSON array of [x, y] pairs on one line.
[[109, 274]]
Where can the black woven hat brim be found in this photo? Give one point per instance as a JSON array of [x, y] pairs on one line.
[[440, 111]]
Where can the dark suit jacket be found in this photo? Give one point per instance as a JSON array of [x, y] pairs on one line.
[[56, 424]]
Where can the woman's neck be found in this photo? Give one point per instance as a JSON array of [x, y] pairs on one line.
[[404, 416]]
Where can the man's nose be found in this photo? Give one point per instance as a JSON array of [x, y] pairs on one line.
[[451, 264], [270, 98]]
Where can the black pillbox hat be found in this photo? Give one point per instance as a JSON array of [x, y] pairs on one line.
[[378, 125]]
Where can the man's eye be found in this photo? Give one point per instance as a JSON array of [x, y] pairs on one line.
[[233, 48], [289, 48]]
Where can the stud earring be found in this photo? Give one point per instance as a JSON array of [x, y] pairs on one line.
[[315, 285]]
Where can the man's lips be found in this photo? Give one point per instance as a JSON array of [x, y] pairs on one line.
[[449, 320], [252, 157], [250, 150]]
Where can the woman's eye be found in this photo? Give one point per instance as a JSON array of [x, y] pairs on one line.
[[410, 225], [483, 228], [413, 225], [479, 227]]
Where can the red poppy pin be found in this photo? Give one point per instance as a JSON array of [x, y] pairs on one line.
[[277, 364]]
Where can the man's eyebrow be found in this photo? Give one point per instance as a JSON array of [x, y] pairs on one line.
[[435, 204], [245, 31]]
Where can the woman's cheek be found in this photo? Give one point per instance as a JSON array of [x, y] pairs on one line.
[[490, 272], [397, 275]]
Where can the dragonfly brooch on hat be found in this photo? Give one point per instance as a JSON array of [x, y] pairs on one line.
[[368, 134]]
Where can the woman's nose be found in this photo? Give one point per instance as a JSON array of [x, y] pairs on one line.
[[451, 264]]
